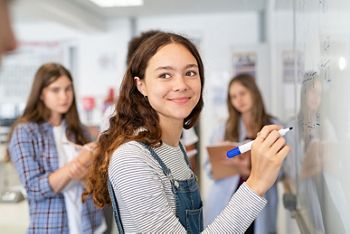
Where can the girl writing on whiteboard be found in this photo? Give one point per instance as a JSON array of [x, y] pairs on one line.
[[152, 187]]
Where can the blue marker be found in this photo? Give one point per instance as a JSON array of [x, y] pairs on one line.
[[247, 146]]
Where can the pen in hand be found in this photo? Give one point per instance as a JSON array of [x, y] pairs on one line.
[[246, 147]]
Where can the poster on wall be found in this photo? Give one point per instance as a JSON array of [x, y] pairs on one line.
[[245, 62], [18, 69]]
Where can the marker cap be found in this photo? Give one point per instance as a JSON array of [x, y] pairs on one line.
[[233, 152]]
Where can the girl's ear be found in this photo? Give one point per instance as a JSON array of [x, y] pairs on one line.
[[140, 86]]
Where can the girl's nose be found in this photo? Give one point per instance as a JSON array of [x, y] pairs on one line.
[[63, 95], [180, 83]]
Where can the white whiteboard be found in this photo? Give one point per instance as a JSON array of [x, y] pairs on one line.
[[318, 168]]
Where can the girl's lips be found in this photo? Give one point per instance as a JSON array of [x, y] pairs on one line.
[[64, 105], [180, 99]]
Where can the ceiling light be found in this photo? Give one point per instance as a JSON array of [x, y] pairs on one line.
[[117, 3]]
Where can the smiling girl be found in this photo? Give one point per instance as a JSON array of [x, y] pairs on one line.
[[151, 185]]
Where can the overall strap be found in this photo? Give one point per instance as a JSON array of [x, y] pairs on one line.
[[116, 211], [185, 155], [165, 169]]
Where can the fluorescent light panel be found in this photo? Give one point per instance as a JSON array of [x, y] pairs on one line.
[[117, 3]]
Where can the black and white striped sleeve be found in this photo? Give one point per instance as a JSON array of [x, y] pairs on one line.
[[244, 207]]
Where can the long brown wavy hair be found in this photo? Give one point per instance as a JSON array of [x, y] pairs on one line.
[[259, 115], [133, 112], [36, 110]]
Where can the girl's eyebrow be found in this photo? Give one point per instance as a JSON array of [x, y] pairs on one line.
[[58, 86], [191, 65], [164, 68], [172, 68]]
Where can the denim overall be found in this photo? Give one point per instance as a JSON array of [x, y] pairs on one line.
[[187, 198]]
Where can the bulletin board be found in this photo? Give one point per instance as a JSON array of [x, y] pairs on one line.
[[18, 69]]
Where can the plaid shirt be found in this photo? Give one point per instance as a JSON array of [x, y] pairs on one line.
[[33, 151]]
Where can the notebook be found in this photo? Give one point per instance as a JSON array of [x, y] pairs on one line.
[[220, 167]]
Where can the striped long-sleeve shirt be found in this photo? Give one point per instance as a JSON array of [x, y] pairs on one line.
[[147, 203]]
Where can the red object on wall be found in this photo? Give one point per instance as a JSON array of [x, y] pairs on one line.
[[110, 97], [88, 103], [109, 100]]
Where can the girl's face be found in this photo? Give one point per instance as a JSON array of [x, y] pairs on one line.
[[241, 98], [172, 83], [58, 96]]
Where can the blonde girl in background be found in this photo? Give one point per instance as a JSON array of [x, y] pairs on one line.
[[246, 117]]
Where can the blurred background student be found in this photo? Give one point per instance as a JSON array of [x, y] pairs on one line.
[[247, 115], [50, 150]]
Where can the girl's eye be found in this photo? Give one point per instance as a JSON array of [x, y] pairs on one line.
[[242, 93], [69, 88], [164, 75], [191, 73], [55, 90]]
